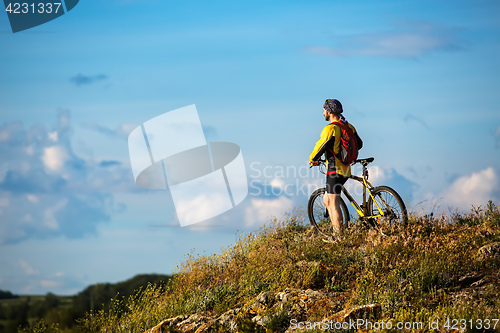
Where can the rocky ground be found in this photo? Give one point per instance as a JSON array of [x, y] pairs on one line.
[[300, 310], [271, 309]]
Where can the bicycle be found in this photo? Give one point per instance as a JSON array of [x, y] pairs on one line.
[[382, 207]]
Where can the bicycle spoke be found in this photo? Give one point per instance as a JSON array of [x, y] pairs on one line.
[[321, 216], [392, 207], [318, 215]]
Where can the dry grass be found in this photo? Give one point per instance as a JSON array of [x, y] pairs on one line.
[[414, 273]]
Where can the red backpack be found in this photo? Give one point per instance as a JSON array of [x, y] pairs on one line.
[[348, 152]]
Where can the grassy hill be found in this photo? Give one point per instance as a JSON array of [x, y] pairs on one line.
[[439, 270]]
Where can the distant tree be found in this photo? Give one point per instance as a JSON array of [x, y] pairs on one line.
[[51, 301], [19, 316], [7, 294], [51, 309], [97, 297]]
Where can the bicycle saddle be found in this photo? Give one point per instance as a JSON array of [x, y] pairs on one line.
[[364, 161]]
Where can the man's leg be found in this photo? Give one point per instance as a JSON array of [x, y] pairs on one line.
[[332, 200], [332, 203]]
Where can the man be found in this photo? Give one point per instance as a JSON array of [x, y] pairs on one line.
[[337, 172]]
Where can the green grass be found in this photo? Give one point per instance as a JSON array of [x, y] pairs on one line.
[[414, 274]]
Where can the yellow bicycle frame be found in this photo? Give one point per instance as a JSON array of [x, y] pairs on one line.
[[363, 212]]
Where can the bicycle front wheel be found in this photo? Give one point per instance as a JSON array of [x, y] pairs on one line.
[[392, 207], [318, 214]]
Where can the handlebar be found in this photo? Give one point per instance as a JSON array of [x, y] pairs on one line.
[[363, 161]]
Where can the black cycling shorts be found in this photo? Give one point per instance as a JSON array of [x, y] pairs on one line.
[[334, 183]]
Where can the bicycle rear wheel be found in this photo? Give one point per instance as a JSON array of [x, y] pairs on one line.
[[392, 207], [318, 215]]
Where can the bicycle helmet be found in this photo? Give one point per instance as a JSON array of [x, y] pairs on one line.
[[333, 106]]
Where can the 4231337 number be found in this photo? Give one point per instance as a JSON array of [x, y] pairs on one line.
[[26, 14], [473, 324], [33, 8]]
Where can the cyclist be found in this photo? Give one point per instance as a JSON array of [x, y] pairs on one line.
[[337, 172]]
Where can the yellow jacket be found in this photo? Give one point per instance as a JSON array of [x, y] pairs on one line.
[[329, 145]]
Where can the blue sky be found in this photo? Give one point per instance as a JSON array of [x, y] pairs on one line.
[[419, 81]]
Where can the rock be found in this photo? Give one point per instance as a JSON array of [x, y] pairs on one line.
[[165, 325], [489, 251], [481, 282], [284, 296], [359, 312], [228, 316], [261, 320], [468, 280], [263, 297], [204, 327], [296, 303]]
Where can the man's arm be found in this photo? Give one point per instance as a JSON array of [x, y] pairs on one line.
[[327, 138]]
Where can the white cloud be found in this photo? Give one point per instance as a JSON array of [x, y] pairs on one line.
[[405, 40], [46, 190], [53, 136], [378, 175], [32, 198], [4, 134], [306, 187], [278, 183], [49, 284], [261, 210], [474, 189], [201, 207], [54, 158], [127, 128], [27, 268], [49, 216], [122, 131], [30, 150]]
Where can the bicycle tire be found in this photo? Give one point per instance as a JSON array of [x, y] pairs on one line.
[[316, 212], [393, 207]]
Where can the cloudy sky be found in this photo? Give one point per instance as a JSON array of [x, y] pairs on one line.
[[419, 81]]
